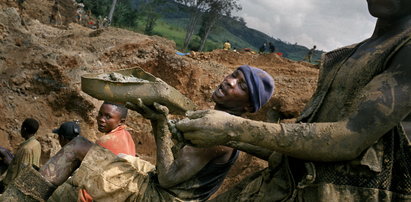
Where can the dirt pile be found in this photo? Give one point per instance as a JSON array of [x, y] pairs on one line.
[[41, 66]]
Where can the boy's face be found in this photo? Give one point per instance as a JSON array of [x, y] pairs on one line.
[[233, 93], [108, 118]]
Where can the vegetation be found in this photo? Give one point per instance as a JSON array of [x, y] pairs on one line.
[[187, 23], [217, 9]]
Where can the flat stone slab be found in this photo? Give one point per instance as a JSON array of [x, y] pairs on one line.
[[130, 84]]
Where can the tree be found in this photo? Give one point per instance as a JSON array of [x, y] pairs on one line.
[[122, 12], [217, 8], [196, 9], [110, 14], [98, 7], [151, 10], [125, 15]]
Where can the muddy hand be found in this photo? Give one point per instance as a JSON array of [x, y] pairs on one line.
[[176, 134], [159, 111], [207, 127]]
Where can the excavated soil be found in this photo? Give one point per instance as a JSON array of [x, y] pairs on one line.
[[41, 66]]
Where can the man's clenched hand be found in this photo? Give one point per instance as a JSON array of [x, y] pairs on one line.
[[156, 113], [208, 127]]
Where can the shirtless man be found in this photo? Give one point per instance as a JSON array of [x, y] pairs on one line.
[[349, 143], [67, 131]]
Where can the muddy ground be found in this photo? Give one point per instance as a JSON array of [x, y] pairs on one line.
[[41, 66]]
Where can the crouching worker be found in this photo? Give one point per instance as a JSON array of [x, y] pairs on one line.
[[28, 152], [67, 131], [67, 191], [192, 174]]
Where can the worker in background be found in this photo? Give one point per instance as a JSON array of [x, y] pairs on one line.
[[28, 152], [227, 45]]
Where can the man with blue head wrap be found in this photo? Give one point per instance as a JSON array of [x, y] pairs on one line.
[[349, 143], [247, 89], [260, 86]]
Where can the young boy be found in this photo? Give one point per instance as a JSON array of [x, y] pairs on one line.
[[28, 152], [110, 120]]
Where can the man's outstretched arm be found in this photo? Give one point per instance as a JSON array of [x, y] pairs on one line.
[[257, 151], [382, 104], [61, 166]]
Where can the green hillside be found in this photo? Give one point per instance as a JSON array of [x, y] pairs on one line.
[[173, 18]]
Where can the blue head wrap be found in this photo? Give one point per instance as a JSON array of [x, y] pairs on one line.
[[260, 85]]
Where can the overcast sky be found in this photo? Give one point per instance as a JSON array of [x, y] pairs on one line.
[[329, 24]]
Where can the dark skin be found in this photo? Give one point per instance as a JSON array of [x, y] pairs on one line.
[[25, 134], [171, 171], [109, 118], [69, 158], [63, 141], [60, 167], [383, 103], [230, 96]]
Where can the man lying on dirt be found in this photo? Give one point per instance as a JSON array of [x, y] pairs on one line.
[[191, 174], [352, 145]]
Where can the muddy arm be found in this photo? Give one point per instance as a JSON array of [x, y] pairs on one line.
[[61, 166], [257, 151], [383, 103], [186, 163]]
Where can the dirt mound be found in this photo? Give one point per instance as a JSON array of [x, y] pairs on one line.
[[41, 67]]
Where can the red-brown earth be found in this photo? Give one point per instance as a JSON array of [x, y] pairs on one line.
[[41, 66]]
